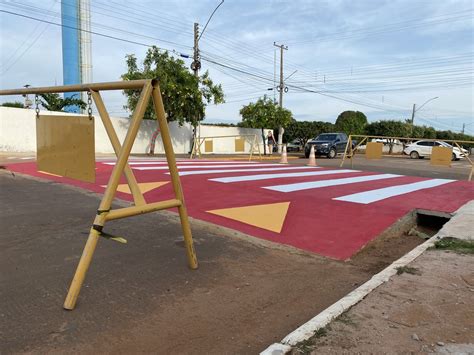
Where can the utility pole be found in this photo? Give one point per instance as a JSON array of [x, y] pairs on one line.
[[413, 116], [463, 127], [281, 88], [196, 64]]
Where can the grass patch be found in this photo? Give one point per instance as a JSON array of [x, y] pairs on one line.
[[307, 346], [345, 319], [408, 270], [456, 245]]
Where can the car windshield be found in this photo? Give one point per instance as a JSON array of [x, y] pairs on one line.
[[326, 137], [446, 144]]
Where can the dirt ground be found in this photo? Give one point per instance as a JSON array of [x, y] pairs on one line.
[[141, 297], [430, 309]]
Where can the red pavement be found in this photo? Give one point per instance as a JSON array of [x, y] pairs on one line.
[[314, 221]]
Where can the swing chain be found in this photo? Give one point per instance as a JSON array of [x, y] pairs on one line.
[[89, 105], [37, 110]]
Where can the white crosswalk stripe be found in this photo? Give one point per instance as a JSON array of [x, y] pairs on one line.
[[223, 171], [327, 183], [256, 177], [371, 196], [199, 166], [164, 162]]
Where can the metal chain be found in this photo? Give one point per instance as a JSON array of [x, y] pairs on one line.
[[89, 105], [37, 110]]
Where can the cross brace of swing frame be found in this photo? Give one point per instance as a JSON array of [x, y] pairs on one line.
[[149, 89]]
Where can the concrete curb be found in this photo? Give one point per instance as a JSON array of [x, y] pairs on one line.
[[308, 329]]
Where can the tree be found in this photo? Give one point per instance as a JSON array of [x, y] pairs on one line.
[[184, 96], [306, 130], [423, 132], [54, 102], [13, 104], [351, 122], [264, 114], [389, 128]]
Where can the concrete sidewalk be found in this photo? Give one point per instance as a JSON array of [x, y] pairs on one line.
[[428, 307]]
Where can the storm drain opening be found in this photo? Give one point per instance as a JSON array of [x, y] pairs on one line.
[[400, 238]]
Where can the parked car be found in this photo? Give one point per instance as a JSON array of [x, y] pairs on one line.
[[328, 144], [421, 149], [293, 146]]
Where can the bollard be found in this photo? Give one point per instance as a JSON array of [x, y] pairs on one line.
[[312, 157], [284, 157]]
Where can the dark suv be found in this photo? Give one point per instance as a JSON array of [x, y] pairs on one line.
[[328, 144]]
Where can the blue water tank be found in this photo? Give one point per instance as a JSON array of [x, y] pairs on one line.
[[71, 48]]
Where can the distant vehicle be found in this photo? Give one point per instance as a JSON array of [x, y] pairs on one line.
[[328, 144], [421, 149], [294, 146]]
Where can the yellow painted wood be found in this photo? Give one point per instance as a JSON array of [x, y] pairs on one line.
[[109, 194], [144, 186], [239, 145], [209, 146], [136, 210], [373, 150], [175, 180], [109, 128], [268, 216], [65, 146], [441, 156]]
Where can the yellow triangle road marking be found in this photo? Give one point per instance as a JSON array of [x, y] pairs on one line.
[[269, 216], [144, 186]]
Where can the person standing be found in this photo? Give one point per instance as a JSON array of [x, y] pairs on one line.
[[270, 142]]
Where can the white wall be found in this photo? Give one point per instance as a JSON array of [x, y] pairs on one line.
[[18, 134], [226, 145]]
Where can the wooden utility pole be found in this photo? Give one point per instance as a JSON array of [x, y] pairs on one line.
[[281, 88]]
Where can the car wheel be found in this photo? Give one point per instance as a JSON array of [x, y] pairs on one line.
[[332, 153], [454, 157], [414, 155]]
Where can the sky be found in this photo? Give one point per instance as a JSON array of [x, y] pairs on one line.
[[375, 56]]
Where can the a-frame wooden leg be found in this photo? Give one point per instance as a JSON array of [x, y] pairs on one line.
[[183, 214], [109, 128], [106, 202]]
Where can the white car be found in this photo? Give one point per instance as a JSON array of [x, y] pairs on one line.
[[421, 149]]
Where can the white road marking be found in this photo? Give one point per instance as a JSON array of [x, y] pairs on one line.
[[188, 162], [201, 172], [199, 166], [327, 183], [281, 175], [392, 191]]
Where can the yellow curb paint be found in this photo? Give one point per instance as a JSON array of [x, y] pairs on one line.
[[44, 172], [144, 186], [269, 216]]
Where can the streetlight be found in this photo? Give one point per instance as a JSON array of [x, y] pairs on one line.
[[419, 108]]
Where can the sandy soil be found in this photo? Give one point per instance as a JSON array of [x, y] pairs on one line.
[[429, 311]]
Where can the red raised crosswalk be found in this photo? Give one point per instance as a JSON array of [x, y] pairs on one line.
[[332, 212]]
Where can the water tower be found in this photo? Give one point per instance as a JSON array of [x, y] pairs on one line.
[[76, 44]]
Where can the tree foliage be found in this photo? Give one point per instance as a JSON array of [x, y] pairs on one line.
[[351, 122], [16, 104], [264, 114], [184, 96], [306, 130], [54, 102]]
